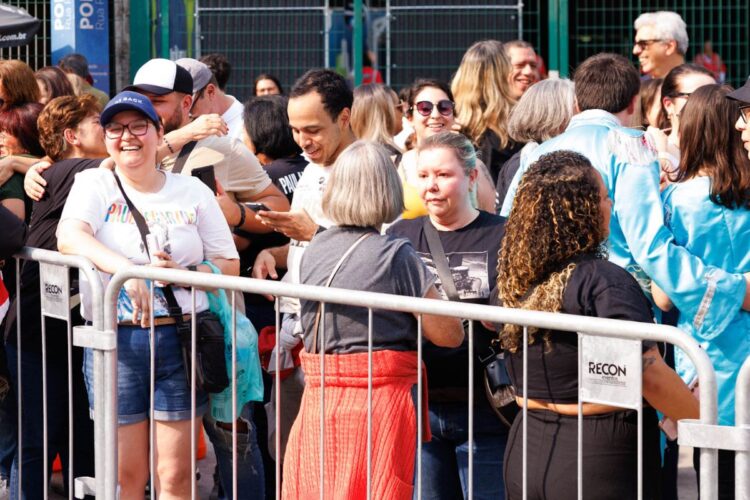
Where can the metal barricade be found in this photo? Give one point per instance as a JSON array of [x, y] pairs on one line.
[[585, 326], [55, 301]]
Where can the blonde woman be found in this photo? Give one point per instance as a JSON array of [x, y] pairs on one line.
[[483, 102], [374, 116]]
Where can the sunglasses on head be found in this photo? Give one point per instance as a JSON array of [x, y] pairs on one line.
[[424, 108]]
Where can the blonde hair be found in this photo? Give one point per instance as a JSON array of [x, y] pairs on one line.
[[543, 111], [364, 189], [482, 91], [458, 143], [373, 114]]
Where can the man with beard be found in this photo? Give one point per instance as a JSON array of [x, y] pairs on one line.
[[169, 87]]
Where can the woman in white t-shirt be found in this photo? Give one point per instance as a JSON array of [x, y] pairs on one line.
[[185, 219]]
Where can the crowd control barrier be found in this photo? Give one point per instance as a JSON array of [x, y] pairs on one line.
[[586, 327], [57, 302]]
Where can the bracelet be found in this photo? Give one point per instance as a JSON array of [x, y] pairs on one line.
[[243, 213], [192, 268], [169, 146]]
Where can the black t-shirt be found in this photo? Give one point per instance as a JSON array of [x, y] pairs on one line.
[[472, 254], [505, 179], [45, 217], [285, 172], [596, 288], [491, 153]]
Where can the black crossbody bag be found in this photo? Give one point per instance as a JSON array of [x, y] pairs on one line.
[[210, 363], [497, 383]]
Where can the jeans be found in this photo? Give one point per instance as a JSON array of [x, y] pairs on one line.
[[8, 416], [250, 475], [445, 459], [57, 420]]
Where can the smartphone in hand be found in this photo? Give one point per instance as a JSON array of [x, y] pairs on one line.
[[206, 175], [256, 206]]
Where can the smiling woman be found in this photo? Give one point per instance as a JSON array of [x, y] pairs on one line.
[[183, 215]]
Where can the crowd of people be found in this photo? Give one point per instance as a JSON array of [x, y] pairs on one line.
[[617, 194]]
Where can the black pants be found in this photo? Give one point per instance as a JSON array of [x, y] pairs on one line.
[[610, 451], [726, 472]]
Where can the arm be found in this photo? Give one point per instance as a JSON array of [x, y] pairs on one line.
[[14, 233], [270, 197], [16, 206], [710, 296], [485, 189], [200, 128], [660, 298], [665, 390], [442, 331], [14, 164]]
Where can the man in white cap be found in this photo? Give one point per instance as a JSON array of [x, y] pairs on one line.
[[208, 98], [169, 87], [742, 95]]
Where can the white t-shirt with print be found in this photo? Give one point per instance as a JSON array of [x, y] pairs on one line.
[[183, 215], [308, 195]]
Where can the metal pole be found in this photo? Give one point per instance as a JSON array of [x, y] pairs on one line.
[[164, 24], [197, 42], [554, 37], [327, 35], [563, 38], [525, 430], [470, 481], [742, 419], [389, 19], [358, 48]]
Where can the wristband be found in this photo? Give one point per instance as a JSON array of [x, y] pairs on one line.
[[192, 268], [243, 213], [169, 146]]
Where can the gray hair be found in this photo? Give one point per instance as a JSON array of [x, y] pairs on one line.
[[543, 111], [458, 143], [668, 25], [364, 189]]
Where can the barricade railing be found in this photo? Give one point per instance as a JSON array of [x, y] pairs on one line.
[[584, 326], [56, 302]]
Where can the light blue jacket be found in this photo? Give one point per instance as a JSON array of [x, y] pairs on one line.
[[638, 241], [721, 237]]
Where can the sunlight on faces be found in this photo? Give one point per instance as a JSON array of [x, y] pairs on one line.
[[314, 131], [654, 53], [443, 183], [90, 134], [524, 72], [131, 151], [425, 126]]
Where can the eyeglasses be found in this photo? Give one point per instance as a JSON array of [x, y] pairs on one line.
[[745, 114], [114, 130], [680, 94], [444, 107], [644, 44], [196, 97]]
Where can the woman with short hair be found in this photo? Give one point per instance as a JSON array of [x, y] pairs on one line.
[[542, 112], [363, 193], [470, 239], [554, 259]]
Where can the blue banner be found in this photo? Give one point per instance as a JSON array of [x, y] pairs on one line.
[[82, 26]]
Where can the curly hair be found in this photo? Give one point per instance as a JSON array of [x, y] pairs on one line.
[[555, 220]]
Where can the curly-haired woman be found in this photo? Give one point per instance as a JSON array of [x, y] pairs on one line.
[[556, 263]]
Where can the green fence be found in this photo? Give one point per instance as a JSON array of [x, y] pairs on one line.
[[597, 26]]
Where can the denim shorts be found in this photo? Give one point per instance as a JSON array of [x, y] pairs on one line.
[[171, 387]]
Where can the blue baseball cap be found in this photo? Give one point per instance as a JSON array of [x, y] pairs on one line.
[[128, 101]]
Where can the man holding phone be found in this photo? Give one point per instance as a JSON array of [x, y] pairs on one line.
[[240, 176]]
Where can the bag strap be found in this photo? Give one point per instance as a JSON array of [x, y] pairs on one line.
[[440, 260], [174, 308], [316, 326], [179, 164]]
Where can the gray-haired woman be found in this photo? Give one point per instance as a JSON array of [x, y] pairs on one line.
[[363, 193], [542, 113]]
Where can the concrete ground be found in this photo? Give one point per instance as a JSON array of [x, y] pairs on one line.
[[686, 483]]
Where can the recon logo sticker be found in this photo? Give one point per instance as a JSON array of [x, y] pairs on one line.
[[610, 371], [55, 290]]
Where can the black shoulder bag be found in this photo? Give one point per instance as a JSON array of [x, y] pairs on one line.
[[211, 364], [497, 384]]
